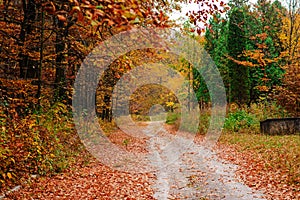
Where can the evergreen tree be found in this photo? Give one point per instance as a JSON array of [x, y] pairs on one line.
[[216, 38], [236, 44], [263, 48]]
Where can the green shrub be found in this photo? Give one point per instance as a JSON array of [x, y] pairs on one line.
[[240, 119], [266, 110], [172, 117]]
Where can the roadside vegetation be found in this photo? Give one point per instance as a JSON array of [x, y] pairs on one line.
[[41, 143]]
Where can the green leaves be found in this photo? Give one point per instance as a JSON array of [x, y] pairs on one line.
[[238, 120], [250, 56], [99, 7]]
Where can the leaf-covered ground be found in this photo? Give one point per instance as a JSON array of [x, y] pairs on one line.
[[92, 180], [266, 168]]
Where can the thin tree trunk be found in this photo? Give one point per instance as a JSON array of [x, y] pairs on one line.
[[28, 67], [41, 60], [60, 78]]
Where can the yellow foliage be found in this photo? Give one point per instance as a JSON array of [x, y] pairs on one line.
[[170, 104], [9, 175]]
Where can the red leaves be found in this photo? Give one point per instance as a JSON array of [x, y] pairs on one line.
[[262, 36], [92, 181], [215, 7], [208, 8], [264, 168], [109, 22], [61, 18], [77, 10]]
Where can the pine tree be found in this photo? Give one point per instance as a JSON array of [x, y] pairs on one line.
[[216, 45], [236, 44]]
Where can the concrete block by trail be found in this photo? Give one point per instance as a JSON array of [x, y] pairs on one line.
[[280, 126]]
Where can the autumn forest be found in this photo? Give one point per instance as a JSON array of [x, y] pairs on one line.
[[255, 47]]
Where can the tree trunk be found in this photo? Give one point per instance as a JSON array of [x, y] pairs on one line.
[[60, 48], [28, 67]]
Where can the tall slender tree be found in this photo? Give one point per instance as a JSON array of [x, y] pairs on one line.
[[236, 44], [216, 45]]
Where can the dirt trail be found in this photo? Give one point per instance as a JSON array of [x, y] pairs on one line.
[[190, 171]]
